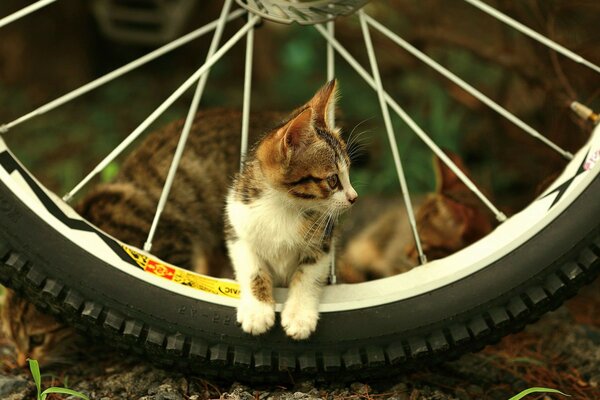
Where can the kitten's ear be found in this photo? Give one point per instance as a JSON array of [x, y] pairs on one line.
[[446, 180], [323, 104], [295, 133]]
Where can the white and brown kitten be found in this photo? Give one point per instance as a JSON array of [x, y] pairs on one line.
[[280, 215]]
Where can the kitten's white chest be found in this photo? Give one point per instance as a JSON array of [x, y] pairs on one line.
[[273, 230]]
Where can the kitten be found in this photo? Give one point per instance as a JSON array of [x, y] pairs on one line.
[[280, 216], [37, 335], [447, 220]]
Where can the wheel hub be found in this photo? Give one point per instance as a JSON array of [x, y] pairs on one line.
[[305, 12]]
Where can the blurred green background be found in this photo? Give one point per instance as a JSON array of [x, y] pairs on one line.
[[61, 48]]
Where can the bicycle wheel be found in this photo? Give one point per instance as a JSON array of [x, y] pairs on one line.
[[530, 264]]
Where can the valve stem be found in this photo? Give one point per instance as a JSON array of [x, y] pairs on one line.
[[585, 112]]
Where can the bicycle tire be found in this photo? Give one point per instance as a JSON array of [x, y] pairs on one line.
[[175, 330]]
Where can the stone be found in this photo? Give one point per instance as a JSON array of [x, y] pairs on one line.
[[11, 385]]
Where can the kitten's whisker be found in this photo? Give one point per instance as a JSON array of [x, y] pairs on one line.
[[361, 137], [357, 147], [358, 138], [356, 126], [358, 135], [356, 151], [324, 222], [329, 217], [317, 225], [360, 141]]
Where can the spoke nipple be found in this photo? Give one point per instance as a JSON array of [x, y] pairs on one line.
[[3, 128], [501, 217], [147, 246], [423, 259], [67, 197], [332, 279], [584, 112]]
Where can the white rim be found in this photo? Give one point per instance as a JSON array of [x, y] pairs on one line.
[[519, 228]]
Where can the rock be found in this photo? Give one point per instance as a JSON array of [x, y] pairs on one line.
[[399, 388], [17, 396], [304, 386], [11, 385], [237, 392], [165, 391], [360, 388]]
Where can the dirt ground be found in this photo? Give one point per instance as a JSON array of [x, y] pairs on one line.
[[561, 351]]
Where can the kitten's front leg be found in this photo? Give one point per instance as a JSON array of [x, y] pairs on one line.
[[301, 310], [256, 310]]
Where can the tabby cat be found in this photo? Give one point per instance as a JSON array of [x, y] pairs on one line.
[[37, 335], [447, 220], [280, 216]]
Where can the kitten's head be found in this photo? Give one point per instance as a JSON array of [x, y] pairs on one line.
[[36, 335], [306, 158]]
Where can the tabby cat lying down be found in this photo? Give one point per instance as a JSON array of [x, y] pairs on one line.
[[447, 220]]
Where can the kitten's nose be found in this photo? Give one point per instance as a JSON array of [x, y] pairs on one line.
[[351, 196]]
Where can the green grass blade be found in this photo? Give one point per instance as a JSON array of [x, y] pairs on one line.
[[64, 391], [537, 390], [37, 377]]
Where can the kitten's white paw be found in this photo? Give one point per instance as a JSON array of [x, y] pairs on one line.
[[256, 317], [298, 321]]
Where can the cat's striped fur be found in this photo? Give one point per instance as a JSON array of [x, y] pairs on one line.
[[37, 335], [190, 232], [280, 216]]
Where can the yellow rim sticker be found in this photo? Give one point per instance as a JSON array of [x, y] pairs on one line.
[[208, 284]]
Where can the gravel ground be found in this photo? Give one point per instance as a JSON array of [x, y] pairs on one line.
[[560, 351]]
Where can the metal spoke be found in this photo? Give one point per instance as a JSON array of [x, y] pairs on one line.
[[533, 34], [412, 124], [166, 104], [187, 127], [24, 11], [119, 72], [474, 92], [331, 65], [331, 118], [390, 132], [247, 93]]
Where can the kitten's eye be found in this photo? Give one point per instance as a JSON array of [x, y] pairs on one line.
[[333, 181], [36, 340]]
